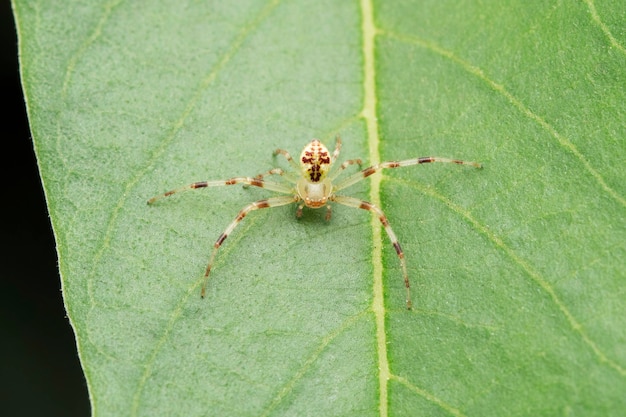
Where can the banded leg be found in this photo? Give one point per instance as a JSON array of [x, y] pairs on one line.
[[257, 182], [335, 154], [356, 203], [343, 166], [290, 176], [289, 159], [397, 164], [273, 171], [267, 203]]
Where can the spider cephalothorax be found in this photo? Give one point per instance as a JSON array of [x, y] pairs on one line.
[[313, 185]]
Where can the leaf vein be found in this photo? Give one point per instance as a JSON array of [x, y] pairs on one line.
[[369, 32], [165, 336], [429, 396], [596, 18], [532, 273], [289, 386], [478, 72]]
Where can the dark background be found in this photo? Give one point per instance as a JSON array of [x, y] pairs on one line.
[[40, 374]]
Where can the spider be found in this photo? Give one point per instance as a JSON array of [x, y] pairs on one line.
[[314, 184]]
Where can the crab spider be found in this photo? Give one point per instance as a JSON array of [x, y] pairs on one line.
[[313, 183]]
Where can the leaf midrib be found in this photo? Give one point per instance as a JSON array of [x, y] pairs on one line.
[[368, 113]]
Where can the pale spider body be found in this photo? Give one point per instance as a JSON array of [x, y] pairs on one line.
[[313, 185]]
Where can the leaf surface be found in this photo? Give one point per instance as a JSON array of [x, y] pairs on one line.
[[517, 269]]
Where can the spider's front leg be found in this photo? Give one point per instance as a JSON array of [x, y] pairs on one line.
[[361, 204], [354, 178], [256, 182], [290, 176], [289, 159], [267, 203]]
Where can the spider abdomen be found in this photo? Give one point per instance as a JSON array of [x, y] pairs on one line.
[[315, 161]]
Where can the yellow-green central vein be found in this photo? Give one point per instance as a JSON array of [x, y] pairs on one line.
[[369, 114]]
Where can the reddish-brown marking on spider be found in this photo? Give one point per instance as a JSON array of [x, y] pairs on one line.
[[313, 184], [315, 161], [368, 171], [262, 204], [396, 245], [219, 241]]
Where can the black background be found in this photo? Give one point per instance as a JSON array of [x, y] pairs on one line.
[[40, 374]]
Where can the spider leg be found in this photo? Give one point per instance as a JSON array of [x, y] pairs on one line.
[[288, 157], [328, 211], [257, 182], [299, 210], [335, 154], [343, 166], [267, 203], [397, 164], [278, 171], [273, 171], [356, 203]]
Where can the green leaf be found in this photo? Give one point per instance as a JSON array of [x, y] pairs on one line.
[[517, 270]]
